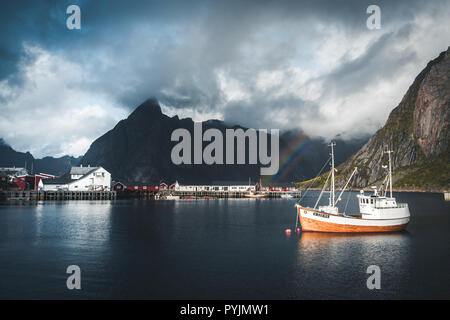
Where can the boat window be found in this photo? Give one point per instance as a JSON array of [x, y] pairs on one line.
[[371, 201]]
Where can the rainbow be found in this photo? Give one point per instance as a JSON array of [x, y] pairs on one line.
[[296, 147]]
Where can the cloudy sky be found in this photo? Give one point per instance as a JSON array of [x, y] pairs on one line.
[[310, 65]]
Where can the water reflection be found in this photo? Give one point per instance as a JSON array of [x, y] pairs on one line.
[[214, 249], [340, 260], [83, 221]]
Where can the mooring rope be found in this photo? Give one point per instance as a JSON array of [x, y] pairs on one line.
[[307, 189], [348, 198]]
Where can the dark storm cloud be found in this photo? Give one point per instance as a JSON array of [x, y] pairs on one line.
[[218, 56], [224, 25], [378, 61]]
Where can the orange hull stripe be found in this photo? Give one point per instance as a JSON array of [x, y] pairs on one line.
[[308, 224]]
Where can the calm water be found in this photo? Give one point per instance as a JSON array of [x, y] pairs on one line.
[[215, 249]]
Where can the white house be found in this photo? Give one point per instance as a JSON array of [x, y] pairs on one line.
[[80, 179]]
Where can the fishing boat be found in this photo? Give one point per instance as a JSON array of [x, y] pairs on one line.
[[378, 212], [172, 197], [255, 195], [286, 196]]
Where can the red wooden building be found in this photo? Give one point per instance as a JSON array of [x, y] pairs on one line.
[[32, 181]]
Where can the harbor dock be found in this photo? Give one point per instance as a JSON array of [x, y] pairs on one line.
[[57, 195]]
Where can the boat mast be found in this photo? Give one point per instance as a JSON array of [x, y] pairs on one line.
[[332, 202], [390, 171]]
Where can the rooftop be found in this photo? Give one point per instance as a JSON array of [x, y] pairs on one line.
[[61, 180], [82, 170]]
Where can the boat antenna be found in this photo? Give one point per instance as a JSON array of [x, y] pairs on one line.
[[390, 170], [332, 202]]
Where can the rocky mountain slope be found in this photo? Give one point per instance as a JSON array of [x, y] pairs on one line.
[[417, 130], [138, 149]]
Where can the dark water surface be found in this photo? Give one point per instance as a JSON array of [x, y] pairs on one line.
[[215, 249]]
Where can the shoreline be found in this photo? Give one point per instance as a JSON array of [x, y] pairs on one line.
[[393, 190]]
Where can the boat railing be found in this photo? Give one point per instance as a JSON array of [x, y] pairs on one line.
[[399, 205]]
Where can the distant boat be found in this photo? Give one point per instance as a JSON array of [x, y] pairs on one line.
[[171, 197], [286, 196], [378, 213], [251, 194]]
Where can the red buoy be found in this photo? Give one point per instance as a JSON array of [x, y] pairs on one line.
[[298, 230], [288, 232]]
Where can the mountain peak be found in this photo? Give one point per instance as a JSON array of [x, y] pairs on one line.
[[149, 107]]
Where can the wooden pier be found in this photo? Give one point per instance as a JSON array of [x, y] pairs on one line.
[[57, 195], [32, 195]]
